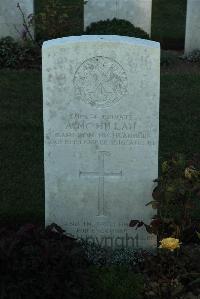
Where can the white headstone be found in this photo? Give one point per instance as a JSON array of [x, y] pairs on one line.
[[138, 12], [11, 20], [101, 128], [192, 38]]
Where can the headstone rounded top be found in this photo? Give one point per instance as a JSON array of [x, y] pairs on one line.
[[101, 38]]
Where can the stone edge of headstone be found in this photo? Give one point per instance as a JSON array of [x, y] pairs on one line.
[[101, 38], [188, 45]]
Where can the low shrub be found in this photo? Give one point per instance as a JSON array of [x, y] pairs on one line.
[[177, 198], [174, 275], [19, 54], [116, 27], [41, 263]]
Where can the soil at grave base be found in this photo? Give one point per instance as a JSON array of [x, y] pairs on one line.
[[181, 66], [172, 277]]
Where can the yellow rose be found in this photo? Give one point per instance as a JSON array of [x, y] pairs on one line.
[[170, 243]]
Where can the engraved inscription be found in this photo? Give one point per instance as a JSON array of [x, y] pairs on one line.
[[101, 174], [108, 233], [106, 129], [100, 81]]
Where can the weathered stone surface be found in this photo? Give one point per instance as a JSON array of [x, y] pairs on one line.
[[101, 128], [11, 21], [138, 12], [192, 37]]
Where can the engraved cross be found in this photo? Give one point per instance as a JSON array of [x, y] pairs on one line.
[[101, 174]]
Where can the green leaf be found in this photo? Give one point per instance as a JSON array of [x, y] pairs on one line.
[[198, 234], [155, 204]]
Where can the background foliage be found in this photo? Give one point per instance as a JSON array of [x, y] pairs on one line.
[[168, 20], [168, 23], [58, 18], [177, 199], [116, 27], [19, 54]]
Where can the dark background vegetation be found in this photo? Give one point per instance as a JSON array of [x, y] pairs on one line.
[[168, 23], [75, 10], [168, 20]]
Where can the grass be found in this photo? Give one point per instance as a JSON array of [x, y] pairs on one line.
[[21, 147], [21, 143], [179, 114], [114, 282]]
